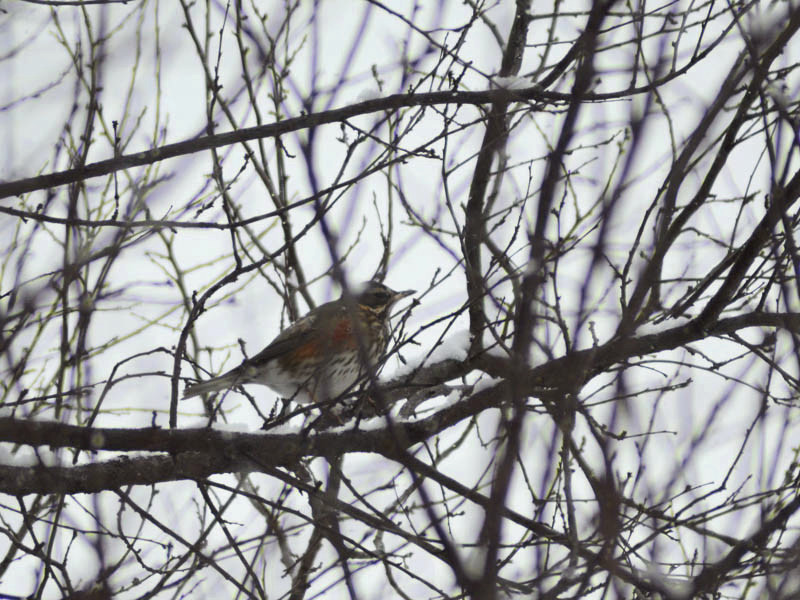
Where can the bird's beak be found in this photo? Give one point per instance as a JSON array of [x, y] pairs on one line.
[[401, 295]]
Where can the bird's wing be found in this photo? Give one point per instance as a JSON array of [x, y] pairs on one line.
[[306, 331], [301, 332]]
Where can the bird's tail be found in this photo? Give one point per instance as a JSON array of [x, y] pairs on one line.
[[223, 382]]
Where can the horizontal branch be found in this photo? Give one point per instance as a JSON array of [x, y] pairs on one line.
[[583, 365], [199, 453], [394, 102]]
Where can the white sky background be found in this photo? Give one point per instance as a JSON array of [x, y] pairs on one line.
[[169, 98]]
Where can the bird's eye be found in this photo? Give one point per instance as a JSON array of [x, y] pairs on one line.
[[378, 298]]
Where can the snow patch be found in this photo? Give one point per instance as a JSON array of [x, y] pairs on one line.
[[512, 83], [454, 347], [369, 94], [486, 383]]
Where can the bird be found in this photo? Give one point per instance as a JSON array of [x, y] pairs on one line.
[[319, 356]]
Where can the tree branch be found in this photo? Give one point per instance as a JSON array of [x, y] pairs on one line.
[[198, 453]]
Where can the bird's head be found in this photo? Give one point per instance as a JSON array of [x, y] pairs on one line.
[[379, 298]]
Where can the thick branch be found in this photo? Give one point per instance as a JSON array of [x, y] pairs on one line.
[[198, 453]]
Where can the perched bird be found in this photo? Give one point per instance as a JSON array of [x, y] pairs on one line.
[[317, 357]]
